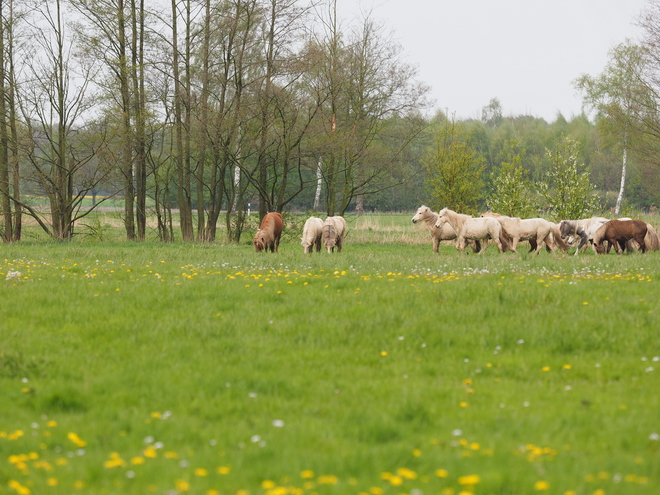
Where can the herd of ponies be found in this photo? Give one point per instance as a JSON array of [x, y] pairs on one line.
[[624, 234], [601, 234]]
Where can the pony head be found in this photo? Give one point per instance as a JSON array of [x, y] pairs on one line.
[[564, 228], [442, 218], [422, 212], [259, 242]]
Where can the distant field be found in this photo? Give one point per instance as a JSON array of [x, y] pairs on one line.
[[129, 368]]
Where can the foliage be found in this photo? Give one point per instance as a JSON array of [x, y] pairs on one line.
[[512, 190], [567, 190], [454, 170]]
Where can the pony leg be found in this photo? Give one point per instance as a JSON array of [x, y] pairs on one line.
[[460, 244]]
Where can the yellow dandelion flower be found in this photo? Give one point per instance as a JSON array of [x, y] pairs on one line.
[[441, 473], [475, 446], [329, 479], [541, 485], [182, 485], [383, 353], [396, 480], [567, 366], [417, 452], [406, 473], [545, 368], [171, 455], [307, 474], [600, 491], [223, 470], [385, 475], [52, 482], [570, 492], [267, 484], [212, 492], [76, 440], [469, 480], [463, 404], [242, 492], [18, 488], [150, 452], [156, 415], [375, 490], [78, 484], [137, 460], [447, 491], [201, 472], [51, 424]]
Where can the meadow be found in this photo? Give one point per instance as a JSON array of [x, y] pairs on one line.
[[137, 368]]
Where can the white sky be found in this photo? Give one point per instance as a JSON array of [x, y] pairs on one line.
[[526, 53]]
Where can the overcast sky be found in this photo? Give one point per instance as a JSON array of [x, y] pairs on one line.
[[526, 53]]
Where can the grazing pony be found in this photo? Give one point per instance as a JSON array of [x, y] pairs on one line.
[[536, 230], [585, 228], [617, 233], [445, 233], [468, 227], [312, 235], [333, 232], [269, 233]]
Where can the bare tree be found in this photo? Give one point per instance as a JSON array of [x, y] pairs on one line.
[[54, 103]]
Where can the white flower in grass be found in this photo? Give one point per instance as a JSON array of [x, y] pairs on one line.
[[252, 395], [278, 423], [130, 474], [525, 404], [649, 369], [255, 438], [656, 359], [183, 463], [654, 436], [457, 432], [148, 440], [521, 341]]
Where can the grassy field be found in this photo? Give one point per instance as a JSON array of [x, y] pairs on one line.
[[130, 368]]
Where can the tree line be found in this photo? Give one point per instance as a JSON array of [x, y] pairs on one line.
[[189, 111]]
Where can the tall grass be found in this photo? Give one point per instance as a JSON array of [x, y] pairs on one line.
[[386, 369]]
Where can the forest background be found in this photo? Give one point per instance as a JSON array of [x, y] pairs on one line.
[[185, 114]]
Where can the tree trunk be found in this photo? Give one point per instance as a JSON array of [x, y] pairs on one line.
[[624, 166]]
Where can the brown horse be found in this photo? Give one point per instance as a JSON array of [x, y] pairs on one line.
[[617, 233], [269, 233]]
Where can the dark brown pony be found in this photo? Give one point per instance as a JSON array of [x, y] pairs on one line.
[[617, 233], [269, 233]]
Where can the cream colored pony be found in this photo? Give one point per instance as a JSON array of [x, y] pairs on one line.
[[333, 232], [535, 230], [312, 234], [445, 233], [468, 227]]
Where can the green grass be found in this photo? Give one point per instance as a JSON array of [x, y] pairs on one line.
[[383, 369]]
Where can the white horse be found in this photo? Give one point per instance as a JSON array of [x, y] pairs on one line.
[[333, 232], [445, 233], [535, 230], [312, 234], [468, 227], [585, 228]]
